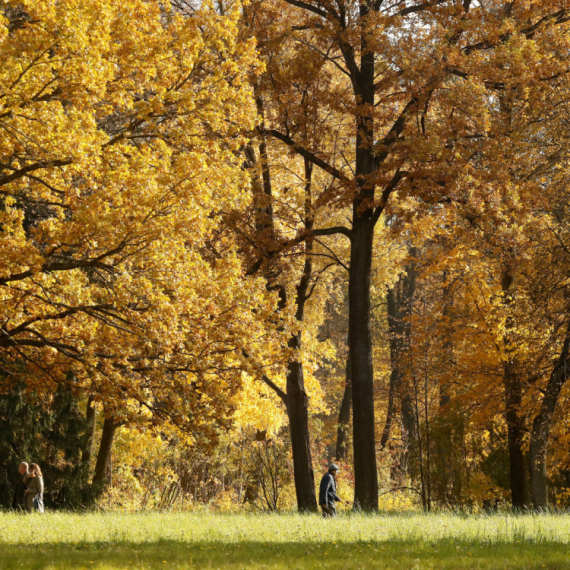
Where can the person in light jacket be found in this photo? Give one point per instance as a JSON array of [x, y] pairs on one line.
[[35, 488], [327, 492]]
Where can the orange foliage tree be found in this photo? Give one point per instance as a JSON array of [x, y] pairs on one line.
[[413, 84]]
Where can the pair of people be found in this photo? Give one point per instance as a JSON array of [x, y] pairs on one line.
[[29, 489]]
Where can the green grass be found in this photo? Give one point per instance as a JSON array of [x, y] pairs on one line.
[[152, 541]]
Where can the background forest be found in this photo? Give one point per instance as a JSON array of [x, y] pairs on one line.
[[240, 240]]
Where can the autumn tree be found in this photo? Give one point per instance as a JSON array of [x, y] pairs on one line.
[[281, 237], [119, 151], [415, 78]]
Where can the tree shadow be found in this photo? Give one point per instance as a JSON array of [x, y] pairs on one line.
[[176, 554]]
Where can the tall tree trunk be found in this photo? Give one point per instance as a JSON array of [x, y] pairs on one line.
[[447, 294], [409, 431], [359, 329], [296, 399], [395, 332], [515, 435], [513, 401], [344, 416], [371, 152], [446, 419], [105, 448], [398, 304], [360, 339], [541, 429]]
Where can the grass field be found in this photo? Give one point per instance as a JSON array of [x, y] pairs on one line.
[[152, 541]]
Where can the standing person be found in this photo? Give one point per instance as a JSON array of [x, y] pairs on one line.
[[20, 487], [35, 491], [327, 492]]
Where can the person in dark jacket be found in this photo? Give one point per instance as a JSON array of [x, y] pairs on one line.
[[327, 492], [20, 488]]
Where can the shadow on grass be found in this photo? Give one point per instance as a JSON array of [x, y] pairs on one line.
[[264, 555]]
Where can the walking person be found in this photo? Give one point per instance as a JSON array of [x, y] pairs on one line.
[[18, 503], [327, 492], [35, 489]]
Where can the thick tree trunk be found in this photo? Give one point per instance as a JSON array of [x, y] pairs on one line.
[[344, 417], [297, 406], [364, 440], [105, 447], [515, 435], [359, 329], [371, 152], [541, 430]]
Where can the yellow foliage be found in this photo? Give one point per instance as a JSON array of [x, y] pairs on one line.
[[118, 153]]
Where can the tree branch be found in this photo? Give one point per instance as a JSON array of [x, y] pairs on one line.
[[308, 7], [420, 7], [30, 168], [282, 395], [386, 194], [308, 155], [559, 17], [333, 231], [68, 265], [275, 388]]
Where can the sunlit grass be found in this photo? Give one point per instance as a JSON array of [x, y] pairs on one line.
[[175, 540]]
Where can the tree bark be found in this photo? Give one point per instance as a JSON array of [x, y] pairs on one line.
[[297, 412], [371, 152], [541, 429], [297, 406], [344, 417], [105, 447]]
